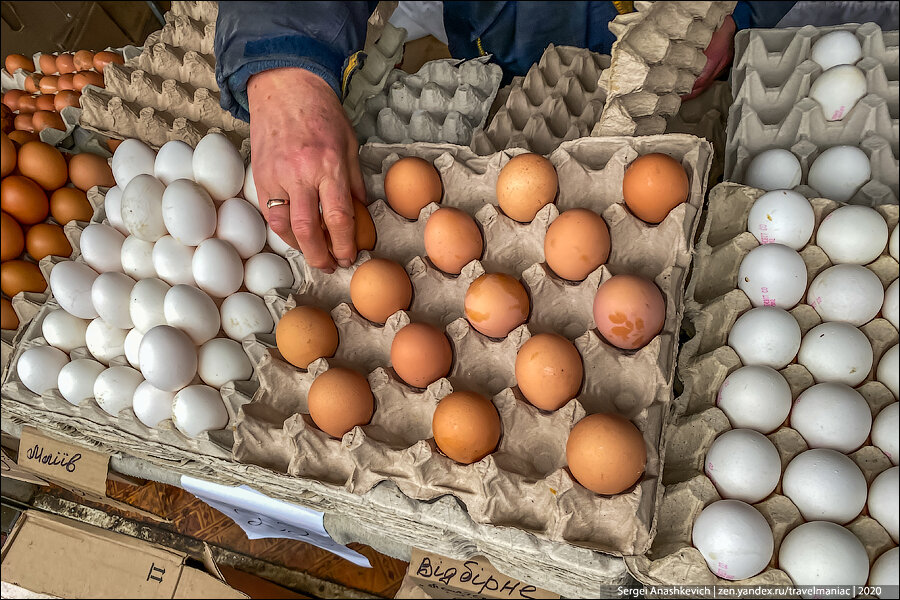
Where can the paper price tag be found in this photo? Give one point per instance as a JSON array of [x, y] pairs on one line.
[[62, 462]]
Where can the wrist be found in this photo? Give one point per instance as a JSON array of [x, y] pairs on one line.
[[286, 80]]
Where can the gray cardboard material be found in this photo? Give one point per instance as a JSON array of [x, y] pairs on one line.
[[369, 80]]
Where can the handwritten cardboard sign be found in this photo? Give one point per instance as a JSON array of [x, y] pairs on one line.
[[10, 469], [66, 463]]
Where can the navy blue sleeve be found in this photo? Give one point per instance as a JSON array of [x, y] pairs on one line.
[[760, 14], [257, 36]]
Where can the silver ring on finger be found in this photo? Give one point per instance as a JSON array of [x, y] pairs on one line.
[[272, 202]]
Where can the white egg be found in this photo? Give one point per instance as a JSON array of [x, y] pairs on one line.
[[836, 352], [142, 208], [278, 245], [886, 572], [249, 189], [198, 408], [782, 217], [836, 48], [218, 167], [173, 161], [133, 346], [734, 539], [114, 388], [63, 331], [888, 372], [775, 169], [39, 367], [110, 295], [145, 305], [755, 397], [884, 497], [132, 158], [848, 293], [894, 245], [838, 89], [221, 360], [217, 268], [744, 465], [105, 341], [766, 336], [112, 205], [71, 284], [241, 226], [825, 485], [890, 309], [886, 431], [101, 248], [192, 311], [188, 212], [267, 271], [168, 358], [839, 172], [152, 405], [832, 415], [76, 380], [773, 275], [244, 314], [172, 261], [852, 235], [137, 258], [823, 554]]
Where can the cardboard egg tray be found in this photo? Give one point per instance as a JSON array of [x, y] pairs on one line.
[[205, 11], [713, 303], [657, 56], [524, 484], [771, 81], [444, 101], [381, 56]]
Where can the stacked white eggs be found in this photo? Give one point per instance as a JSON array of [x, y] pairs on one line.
[[170, 284], [834, 411]]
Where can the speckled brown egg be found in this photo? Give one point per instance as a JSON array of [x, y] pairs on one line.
[[654, 184], [496, 304], [629, 311], [576, 244], [84, 60], [43, 164], [87, 170], [410, 185], [379, 288], [421, 354], [466, 426], [12, 240], [304, 334], [46, 239], [20, 276], [606, 453], [8, 317], [340, 399], [526, 184], [70, 204], [452, 240], [548, 370]]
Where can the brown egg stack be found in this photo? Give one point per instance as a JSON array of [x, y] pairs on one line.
[[483, 428]]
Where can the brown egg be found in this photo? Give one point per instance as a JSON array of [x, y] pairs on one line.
[[7, 156], [24, 122], [65, 63], [606, 453], [379, 288], [20, 276], [421, 354], [45, 102], [45, 239], [43, 164], [23, 200], [466, 427], [8, 317], [340, 399], [527, 183], [83, 78], [87, 170], [654, 184], [548, 371], [11, 98], [84, 60], [7, 119], [410, 185], [27, 104], [101, 59], [47, 62], [496, 304], [304, 334], [113, 143], [365, 228], [32, 83], [576, 243], [20, 137], [66, 98], [47, 119], [629, 311], [70, 204], [14, 62], [66, 82], [49, 84], [452, 240], [12, 240]]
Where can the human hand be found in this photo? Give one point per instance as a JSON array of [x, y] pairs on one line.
[[719, 54], [305, 151]]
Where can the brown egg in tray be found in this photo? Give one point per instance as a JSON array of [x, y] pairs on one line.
[[524, 483]]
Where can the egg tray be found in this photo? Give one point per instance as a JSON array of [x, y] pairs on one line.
[[184, 32], [380, 58], [524, 484], [657, 56], [558, 99], [444, 101], [205, 11], [712, 305]]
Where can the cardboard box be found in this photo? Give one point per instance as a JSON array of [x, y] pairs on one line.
[[89, 562]]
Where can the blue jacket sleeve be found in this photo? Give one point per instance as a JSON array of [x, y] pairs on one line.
[[257, 36], [760, 14]]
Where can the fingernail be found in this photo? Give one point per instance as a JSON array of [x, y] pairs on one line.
[[345, 263]]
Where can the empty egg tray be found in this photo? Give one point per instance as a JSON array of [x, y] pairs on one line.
[[205, 11], [369, 80]]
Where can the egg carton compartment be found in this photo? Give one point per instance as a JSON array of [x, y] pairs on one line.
[[712, 306], [205, 11], [370, 79], [182, 31], [657, 56], [558, 99]]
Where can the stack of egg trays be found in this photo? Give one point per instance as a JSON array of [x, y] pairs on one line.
[[713, 304], [771, 80], [124, 431], [444, 101], [657, 56], [370, 79], [559, 99], [524, 484]]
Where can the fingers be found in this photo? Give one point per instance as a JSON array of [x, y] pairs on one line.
[[337, 211], [307, 228], [354, 173]]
